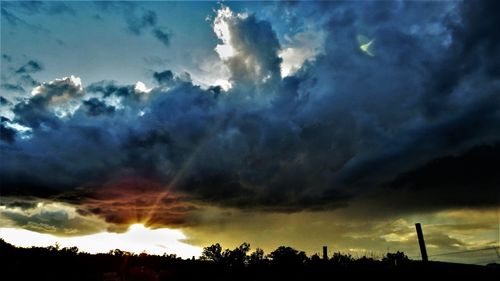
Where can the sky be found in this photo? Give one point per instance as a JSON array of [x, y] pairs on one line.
[[275, 123]]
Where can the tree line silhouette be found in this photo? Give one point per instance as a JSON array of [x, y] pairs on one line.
[[216, 263]]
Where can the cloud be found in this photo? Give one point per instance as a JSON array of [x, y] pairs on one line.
[[131, 96], [162, 36], [341, 231], [30, 67], [4, 101], [301, 47], [48, 102], [16, 78], [338, 129], [163, 77], [95, 107], [49, 217], [449, 180], [130, 200], [12, 87], [7, 134], [147, 20], [249, 49]]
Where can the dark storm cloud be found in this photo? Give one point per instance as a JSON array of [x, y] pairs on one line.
[[343, 126], [450, 180], [473, 51]]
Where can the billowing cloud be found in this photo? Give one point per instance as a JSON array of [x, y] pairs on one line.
[[343, 127], [299, 49], [48, 102], [249, 49]]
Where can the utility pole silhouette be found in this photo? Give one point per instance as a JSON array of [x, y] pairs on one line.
[[421, 242]]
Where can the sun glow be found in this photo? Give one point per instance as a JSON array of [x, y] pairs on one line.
[[136, 239]]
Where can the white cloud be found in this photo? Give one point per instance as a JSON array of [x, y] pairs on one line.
[[73, 81], [303, 46], [249, 50], [224, 84], [62, 95], [140, 87], [221, 29]]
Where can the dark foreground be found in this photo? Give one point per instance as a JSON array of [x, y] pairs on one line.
[[54, 264]]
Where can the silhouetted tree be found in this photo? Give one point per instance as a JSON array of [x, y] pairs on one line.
[[342, 259], [115, 252], [37, 263], [236, 257], [288, 256], [315, 259], [257, 257], [396, 259], [212, 253], [70, 250]]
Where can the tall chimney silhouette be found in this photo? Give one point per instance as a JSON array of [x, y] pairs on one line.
[[325, 253], [421, 242]]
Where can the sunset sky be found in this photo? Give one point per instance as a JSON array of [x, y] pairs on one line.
[[170, 126]]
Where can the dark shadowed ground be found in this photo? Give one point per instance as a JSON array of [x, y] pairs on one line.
[[284, 263]]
